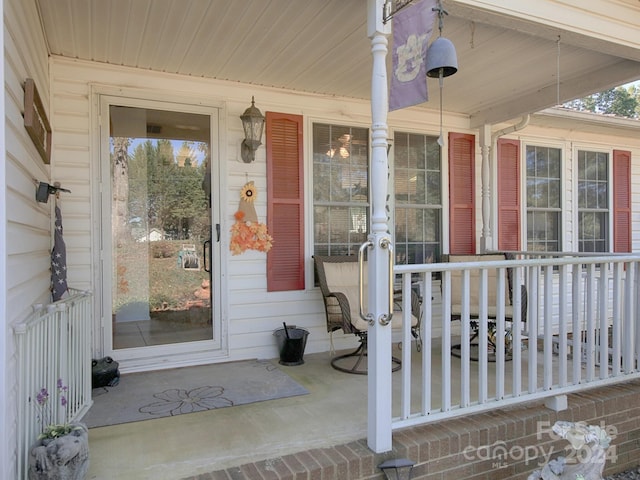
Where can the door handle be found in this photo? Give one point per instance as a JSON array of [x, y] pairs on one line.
[[206, 253], [217, 232]]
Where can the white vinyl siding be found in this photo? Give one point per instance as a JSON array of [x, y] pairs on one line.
[[26, 224], [250, 314]]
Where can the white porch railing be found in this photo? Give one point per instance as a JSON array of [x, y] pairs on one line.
[[581, 330], [53, 344]]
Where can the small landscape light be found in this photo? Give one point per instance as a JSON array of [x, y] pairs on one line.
[[397, 469]]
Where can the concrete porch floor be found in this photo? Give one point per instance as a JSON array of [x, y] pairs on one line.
[[334, 413]]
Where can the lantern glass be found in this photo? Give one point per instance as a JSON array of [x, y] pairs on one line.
[[397, 469], [253, 124]]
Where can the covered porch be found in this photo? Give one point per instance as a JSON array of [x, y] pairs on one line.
[[323, 435], [580, 337], [572, 354]]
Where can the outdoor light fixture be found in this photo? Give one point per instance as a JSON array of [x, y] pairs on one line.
[[442, 60], [43, 190], [397, 469], [253, 124]]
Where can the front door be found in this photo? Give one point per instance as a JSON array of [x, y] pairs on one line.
[[161, 226]]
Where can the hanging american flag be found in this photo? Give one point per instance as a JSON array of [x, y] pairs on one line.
[[58, 260], [412, 27]]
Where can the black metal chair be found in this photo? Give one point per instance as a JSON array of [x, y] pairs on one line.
[[473, 301]]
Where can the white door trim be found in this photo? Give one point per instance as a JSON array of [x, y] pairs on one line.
[[162, 356]]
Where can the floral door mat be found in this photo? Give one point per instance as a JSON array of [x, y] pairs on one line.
[[164, 393]]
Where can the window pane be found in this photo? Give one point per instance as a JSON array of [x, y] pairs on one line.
[[415, 225], [543, 231], [603, 166], [401, 226], [554, 194], [531, 162], [590, 166], [321, 225], [340, 188], [603, 195], [417, 153], [434, 188], [321, 189], [544, 196], [593, 201], [418, 194], [433, 156], [553, 155]]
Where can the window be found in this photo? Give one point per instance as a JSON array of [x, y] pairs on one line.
[[418, 198], [543, 199], [593, 201], [340, 189]]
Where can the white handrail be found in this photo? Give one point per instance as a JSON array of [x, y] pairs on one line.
[[580, 331], [53, 347]]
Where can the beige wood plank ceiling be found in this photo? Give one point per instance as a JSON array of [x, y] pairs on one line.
[[508, 62]]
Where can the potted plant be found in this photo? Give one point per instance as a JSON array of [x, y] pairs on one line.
[[61, 451]]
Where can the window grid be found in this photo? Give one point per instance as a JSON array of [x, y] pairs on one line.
[[340, 188], [593, 201], [418, 198], [543, 198]]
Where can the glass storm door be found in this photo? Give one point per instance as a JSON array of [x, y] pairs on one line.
[[162, 235]]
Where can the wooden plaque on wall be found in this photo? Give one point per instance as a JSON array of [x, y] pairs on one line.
[[35, 120]]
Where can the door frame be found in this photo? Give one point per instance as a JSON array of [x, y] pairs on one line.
[[170, 355]]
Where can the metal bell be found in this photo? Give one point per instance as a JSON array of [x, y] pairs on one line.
[[441, 55]]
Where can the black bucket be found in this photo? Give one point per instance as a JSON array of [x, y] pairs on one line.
[[291, 344]]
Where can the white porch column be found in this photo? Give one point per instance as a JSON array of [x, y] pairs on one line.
[[379, 335], [486, 239]]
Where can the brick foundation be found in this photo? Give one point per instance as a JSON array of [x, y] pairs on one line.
[[502, 444]]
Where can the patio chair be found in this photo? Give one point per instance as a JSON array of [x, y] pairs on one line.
[[474, 300], [188, 257], [338, 280]]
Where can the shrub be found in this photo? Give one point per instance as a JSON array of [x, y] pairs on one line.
[[162, 250]]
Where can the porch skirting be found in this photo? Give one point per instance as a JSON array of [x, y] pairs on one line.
[[506, 443]]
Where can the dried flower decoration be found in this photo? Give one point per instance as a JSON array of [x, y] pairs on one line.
[[247, 233]]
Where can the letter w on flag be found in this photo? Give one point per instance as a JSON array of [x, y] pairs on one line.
[[412, 27]]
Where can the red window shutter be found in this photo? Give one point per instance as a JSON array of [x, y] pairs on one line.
[[621, 201], [285, 202], [508, 194], [462, 210]]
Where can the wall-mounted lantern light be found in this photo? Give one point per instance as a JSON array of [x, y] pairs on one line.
[[397, 469], [253, 124], [43, 190]]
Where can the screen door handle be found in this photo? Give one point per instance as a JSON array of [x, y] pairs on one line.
[[206, 253]]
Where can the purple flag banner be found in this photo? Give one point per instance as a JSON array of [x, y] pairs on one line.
[[412, 27], [58, 260]]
